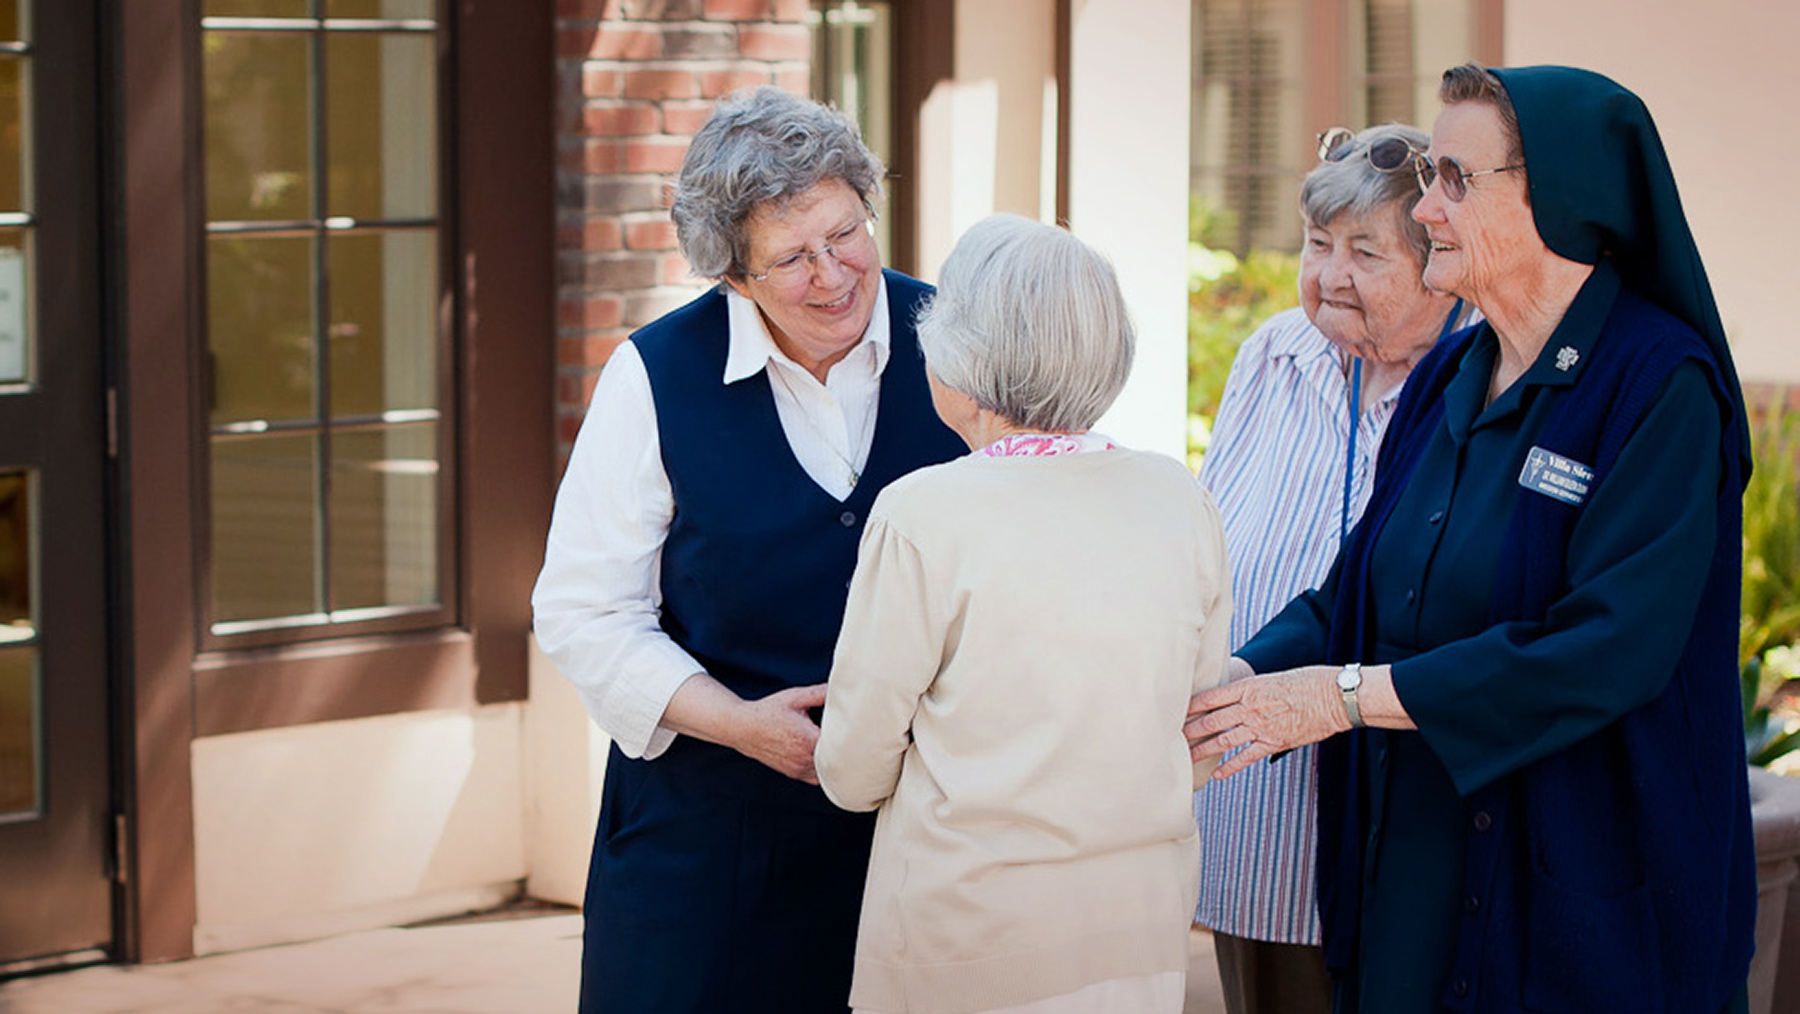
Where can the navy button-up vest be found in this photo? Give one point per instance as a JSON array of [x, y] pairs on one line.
[[758, 557]]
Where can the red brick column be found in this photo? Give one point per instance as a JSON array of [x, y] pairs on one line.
[[636, 78]]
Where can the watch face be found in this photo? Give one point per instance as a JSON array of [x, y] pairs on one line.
[[1349, 678]]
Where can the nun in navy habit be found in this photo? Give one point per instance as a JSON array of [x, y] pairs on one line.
[[1523, 667], [698, 562]]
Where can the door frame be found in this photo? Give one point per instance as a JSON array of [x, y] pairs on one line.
[[60, 425], [501, 199]]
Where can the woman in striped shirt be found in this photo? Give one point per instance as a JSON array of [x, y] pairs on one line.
[[1292, 452]]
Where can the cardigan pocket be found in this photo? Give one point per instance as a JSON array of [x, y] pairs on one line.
[[1588, 952]]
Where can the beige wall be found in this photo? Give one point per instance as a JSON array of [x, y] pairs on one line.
[[321, 829], [988, 143], [987, 138], [1128, 193], [565, 761], [1720, 79]]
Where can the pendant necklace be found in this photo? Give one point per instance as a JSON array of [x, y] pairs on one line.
[[806, 418]]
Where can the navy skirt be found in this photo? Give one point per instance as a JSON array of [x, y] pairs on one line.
[[719, 886]]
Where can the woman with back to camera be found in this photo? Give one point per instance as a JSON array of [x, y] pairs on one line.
[[1542, 801], [1025, 627], [1291, 462]]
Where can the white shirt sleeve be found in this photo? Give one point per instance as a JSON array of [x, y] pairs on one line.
[[598, 601]]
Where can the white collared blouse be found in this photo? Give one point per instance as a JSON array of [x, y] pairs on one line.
[[597, 604]]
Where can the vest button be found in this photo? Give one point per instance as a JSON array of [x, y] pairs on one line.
[[1482, 820], [848, 519]]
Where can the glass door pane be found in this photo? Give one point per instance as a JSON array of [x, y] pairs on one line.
[[383, 323], [326, 329], [853, 69], [16, 329], [409, 9], [381, 108], [20, 750], [257, 8], [15, 131], [384, 494], [260, 303], [259, 164], [265, 527]]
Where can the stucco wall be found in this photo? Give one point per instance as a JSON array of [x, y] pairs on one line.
[[988, 143], [1720, 79], [987, 137], [312, 830], [1128, 187]]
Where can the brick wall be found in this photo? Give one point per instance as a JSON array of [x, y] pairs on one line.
[[636, 78]]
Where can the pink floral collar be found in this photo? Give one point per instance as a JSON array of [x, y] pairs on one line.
[[1016, 445]]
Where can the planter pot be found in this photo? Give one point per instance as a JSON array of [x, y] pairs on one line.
[[1775, 970]]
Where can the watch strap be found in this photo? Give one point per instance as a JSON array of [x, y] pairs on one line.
[[1349, 681]]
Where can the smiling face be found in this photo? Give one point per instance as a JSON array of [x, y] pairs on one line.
[[1359, 283], [817, 317], [1486, 241]]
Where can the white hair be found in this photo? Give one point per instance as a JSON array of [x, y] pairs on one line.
[[1029, 321]]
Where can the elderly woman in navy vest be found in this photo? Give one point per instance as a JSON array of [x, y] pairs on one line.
[[1532, 787], [699, 556]]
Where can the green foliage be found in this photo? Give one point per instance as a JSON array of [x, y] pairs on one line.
[[1228, 297], [1767, 737], [1769, 663]]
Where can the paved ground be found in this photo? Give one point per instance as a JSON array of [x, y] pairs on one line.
[[521, 963]]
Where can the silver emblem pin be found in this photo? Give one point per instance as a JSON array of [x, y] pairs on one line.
[[1566, 357]]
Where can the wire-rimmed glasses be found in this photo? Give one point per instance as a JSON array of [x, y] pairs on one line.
[[1456, 178], [847, 246]]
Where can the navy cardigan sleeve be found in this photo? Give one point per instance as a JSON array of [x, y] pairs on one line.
[[1637, 561]]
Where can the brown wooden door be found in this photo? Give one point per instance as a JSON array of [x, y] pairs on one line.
[[56, 894]]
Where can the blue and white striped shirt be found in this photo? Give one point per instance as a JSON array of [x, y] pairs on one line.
[[1276, 468]]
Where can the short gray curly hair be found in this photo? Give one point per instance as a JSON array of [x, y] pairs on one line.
[[1030, 322], [1351, 183], [761, 145]]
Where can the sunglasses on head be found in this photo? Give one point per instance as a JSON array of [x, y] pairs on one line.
[[1456, 178], [1390, 154]]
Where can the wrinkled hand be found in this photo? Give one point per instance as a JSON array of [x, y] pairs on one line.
[[777, 731], [1264, 715]]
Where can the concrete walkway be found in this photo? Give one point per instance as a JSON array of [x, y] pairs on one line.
[[513, 963]]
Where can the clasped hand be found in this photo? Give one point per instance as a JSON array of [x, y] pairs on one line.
[[778, 731]]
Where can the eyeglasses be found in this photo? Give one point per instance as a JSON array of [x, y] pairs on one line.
[[1456, 178], [1390, 154], [848, 246]]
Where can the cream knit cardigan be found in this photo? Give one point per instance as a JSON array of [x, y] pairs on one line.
[[1022, 637]]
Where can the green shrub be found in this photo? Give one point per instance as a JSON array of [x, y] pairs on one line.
[[1769, 661], [1228, 297]]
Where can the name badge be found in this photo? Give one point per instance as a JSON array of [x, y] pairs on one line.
[[1555, 476]]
